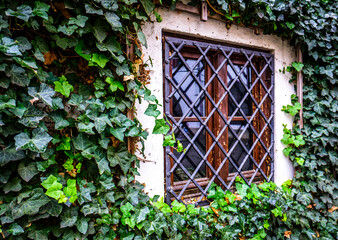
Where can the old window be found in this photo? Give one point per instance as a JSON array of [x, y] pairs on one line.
[[219, 100]]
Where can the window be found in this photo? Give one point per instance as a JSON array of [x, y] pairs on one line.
[[219, 100]]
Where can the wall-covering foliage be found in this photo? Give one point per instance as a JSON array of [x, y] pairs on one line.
[[66, 91]]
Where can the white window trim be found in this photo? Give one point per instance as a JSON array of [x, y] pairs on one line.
[[183, 23]]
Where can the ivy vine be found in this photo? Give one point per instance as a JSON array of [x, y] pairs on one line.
[[67, 89]]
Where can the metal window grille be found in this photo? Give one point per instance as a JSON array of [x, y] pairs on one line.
[[219, 100]]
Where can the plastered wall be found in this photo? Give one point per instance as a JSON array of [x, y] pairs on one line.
[[152, 170]]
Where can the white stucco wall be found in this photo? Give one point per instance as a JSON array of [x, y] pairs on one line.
[[152, 170]]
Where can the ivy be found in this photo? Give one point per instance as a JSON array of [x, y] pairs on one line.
[[67, 88]]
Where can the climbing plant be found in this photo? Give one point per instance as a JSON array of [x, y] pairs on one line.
[[68, 88]]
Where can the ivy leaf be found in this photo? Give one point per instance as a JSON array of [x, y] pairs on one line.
[[160, 127], [82, 143], [45, 94], [122, 69], [113, 20], [3, 23], [9, 47], [100, 59], [70, 190], [101, 122], [41, 9], [148, 6], [92, 10], [82, 225], [114, 85], [100, 30], [32, 205], [298, 66], [118, 132], [151, 111], [31, 117], [69, 217], [22, 12], [27, 62], [142, 214], [6, 102], [60, 122], [290, 25], [19, 110], [19, 76], [53, 187], [142, 38], [242, 189], [27, 172], [23, 44], [62, 86], [119, 156], [13, 186], [86, 127], [38, 142], [15, 229], [79, 20], [39, 234], [10, 154]]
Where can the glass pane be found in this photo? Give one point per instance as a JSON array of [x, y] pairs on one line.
[[238, 90], [190, 89], [238, 154], [191, 158]]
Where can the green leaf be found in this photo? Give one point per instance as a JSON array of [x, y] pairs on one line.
[[10, 154], [178, 207], [31, 117], [22, 12], [38, 142], [101, 122], [6, 102], [100, 30], [114, 85], [13, 186], [82, 143], [298, 66], [70, 190], [142, 38], [113, 20], [141, 214], [15, 229], [27, 172], [151, 111], [118, 133], [41, 9], [290, 25], [23, 44], [242, 189], [82, 225], [62, 86], [32, 205], [54, 208], [45, 94], [86, 127], [79, 20], [9, 47], [92, 10], [148, 6], [100, 59], [69, 217], [39, 234], [19, 76], [3, 23], [160, 127], [120, 156], [60, 122], [53, 187]]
